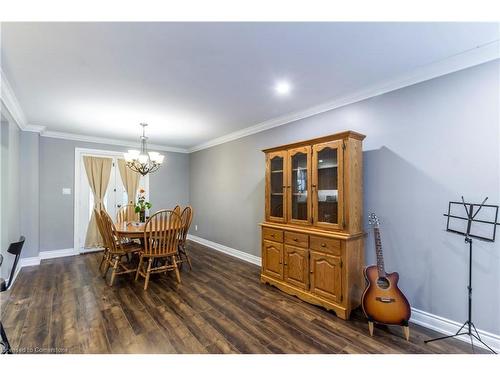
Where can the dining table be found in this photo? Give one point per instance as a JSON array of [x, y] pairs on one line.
[[130, 229]]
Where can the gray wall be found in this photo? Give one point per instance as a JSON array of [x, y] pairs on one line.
[[29, 192], [9, 198], [426, 144], [170, 184], [57, 170]]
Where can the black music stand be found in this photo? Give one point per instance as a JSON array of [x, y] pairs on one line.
[[469, 234]]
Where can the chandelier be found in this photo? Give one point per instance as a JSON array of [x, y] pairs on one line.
[[143, 162]]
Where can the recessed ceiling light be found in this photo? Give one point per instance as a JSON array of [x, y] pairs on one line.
[[282, 88]]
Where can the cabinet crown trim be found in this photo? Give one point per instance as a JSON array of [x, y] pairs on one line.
[[332, 137]]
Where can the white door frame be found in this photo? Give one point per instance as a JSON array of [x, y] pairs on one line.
[[79, 153]]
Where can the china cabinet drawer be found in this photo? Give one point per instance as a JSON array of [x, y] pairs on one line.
[[272, 234], [329, 245], [297, 239]]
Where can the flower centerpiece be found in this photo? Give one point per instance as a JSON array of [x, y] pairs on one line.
[[142, 205]]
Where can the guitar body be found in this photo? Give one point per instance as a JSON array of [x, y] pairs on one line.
[[383, 301]]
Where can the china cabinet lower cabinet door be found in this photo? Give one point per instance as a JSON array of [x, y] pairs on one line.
[[326, 276], [296, 271], [272, 259]]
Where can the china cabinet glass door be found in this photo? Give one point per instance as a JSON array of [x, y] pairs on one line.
[[327, 184], [276, 192], [299, 208]]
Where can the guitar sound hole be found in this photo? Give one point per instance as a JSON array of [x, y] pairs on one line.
[[382, 283]]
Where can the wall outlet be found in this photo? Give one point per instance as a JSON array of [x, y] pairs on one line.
[[196, 228], [66, 191]]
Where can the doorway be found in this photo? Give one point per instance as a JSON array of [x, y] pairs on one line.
[[114, 199]]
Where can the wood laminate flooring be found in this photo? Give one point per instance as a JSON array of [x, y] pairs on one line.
[[65, 306]]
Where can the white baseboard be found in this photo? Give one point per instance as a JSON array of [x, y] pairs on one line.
[[419, 317], [450, 327], [58, 253], [227, 250]]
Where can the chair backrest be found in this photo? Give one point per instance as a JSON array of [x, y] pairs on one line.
[[109, 230], [161, 233], [15, 249], [127, 213], [98, 220], [186, 218], [177, 210]]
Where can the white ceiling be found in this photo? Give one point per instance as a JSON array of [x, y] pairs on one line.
[[193, 82]]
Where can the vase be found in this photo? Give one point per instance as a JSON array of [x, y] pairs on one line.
[[142, 216]]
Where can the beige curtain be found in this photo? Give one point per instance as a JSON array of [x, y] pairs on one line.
[[98, 172], [130, 180]]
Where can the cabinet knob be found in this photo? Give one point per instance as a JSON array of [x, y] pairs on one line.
[[323, 245], [295, 239], [272, 235]]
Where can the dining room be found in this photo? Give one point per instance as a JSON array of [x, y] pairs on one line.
[[249, 188]]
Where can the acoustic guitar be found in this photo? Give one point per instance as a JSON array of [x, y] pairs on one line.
[[383, 302]]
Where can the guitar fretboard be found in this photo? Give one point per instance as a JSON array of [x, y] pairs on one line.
[[378, 250]]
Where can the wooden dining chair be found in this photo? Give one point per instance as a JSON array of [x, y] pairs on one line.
[[117, 250], [186, 219], [161, 240], [177, 210], [127, 213], [100, 227]]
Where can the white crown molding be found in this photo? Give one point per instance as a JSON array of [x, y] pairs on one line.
[[475, 56], [466, 59], [106, 141], [10, 102], [35, 128]]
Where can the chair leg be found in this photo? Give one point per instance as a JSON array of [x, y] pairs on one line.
[[138, 269], [102, 260], [188, 259], [108, 265], [148, 273], [177, 274], [115, 267]]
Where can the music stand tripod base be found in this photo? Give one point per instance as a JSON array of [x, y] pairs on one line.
[[468, 323]]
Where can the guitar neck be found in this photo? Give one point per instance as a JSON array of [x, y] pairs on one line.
[[378, 250]]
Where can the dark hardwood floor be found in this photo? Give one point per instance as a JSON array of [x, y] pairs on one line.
[[64, 306]]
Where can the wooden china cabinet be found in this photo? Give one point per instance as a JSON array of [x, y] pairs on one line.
[[312, 238]]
